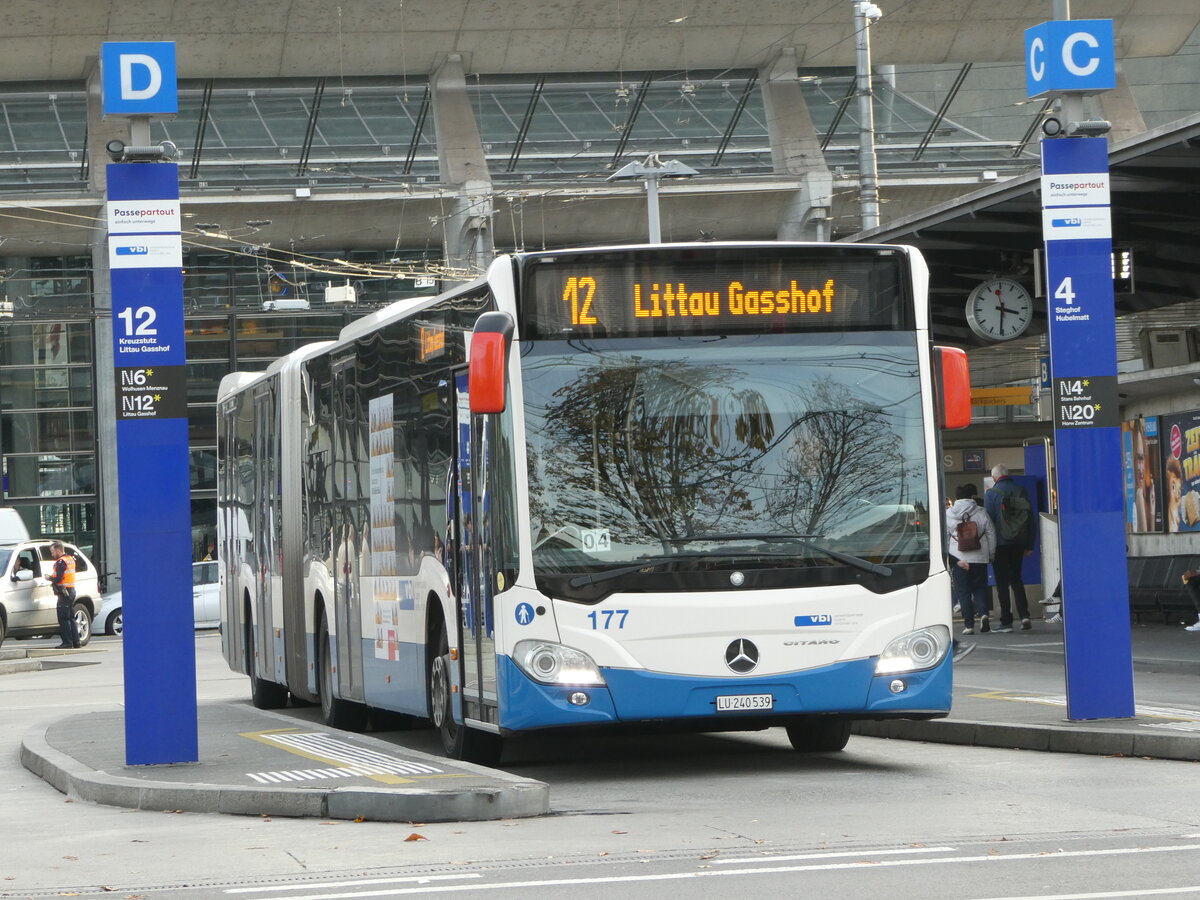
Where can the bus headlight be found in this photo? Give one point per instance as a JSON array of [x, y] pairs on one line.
[[555, 664], [920, 649]]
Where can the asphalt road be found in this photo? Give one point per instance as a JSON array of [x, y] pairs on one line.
[[688, 816]]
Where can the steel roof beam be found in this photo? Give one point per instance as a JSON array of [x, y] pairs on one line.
[[311, 130], [634, 109], [523, 131], [201, 128], [418, 127], [734, 119]]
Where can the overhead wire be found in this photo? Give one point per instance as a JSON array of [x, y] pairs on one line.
[[312, 262]]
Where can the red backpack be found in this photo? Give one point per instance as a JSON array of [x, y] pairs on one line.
[[966, 534]]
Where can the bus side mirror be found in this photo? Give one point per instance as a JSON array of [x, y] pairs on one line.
[[488, 368], [952, 387]]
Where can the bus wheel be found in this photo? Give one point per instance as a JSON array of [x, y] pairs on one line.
[[826, 735], [458, 741], [335, 712], [263, 694]]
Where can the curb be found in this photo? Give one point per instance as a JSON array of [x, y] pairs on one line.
[[13, 666], [1043, 738], [520, 798]]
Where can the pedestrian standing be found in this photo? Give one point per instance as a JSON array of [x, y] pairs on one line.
[[62, 576], [1009, 509], [1191, 583], [971, 543]]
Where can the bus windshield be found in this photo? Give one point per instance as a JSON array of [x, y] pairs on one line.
[[670, 463]]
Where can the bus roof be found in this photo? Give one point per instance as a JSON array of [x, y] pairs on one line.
[[371, 321], [236, 382]]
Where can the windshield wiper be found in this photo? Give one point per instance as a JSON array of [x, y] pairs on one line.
[[650, 562], [653, 562], [800, 540]]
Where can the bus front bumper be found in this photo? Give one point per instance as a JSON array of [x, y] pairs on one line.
[[633, 695]]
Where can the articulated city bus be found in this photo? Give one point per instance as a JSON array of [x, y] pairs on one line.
[[684, 484]]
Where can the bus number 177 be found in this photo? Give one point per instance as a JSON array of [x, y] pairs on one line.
[[607, 615]]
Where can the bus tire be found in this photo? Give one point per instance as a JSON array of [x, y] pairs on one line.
[[458, 741], [824, 735], [263, 694], [335, 712]]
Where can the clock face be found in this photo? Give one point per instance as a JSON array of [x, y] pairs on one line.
[[999, 309]]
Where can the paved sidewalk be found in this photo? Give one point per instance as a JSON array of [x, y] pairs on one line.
[[1011, 692], [254, 762]]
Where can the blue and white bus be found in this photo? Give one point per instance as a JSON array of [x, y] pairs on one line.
[[691, 484]]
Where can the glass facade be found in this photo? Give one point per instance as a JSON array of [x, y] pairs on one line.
[[48, 436], [47, 398]]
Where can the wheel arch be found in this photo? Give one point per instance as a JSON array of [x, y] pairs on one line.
[[88, 601]]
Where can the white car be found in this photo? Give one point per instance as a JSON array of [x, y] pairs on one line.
[[28, 606], [206, 602]]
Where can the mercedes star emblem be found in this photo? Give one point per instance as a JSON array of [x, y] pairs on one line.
[[741, 656]]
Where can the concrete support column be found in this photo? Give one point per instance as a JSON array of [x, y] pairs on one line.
[[100, 131], [467, 229], [807, 217], [796, 150]]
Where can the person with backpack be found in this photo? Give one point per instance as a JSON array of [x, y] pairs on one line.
[[1009, 509], [971, 543]]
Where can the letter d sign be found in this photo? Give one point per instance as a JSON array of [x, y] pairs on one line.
[[138, 78]]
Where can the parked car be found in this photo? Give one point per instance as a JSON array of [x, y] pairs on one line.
[[206, 602], [28, 606]]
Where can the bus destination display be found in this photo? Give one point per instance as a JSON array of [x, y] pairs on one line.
[[700, 293]]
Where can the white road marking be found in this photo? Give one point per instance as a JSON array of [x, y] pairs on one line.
[[419, 879], [366, 762], [717, 873], [771, 859], [349, 759], [299, 775], [1144, 892]]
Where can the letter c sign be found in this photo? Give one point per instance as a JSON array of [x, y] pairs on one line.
[[138, 78], [1070, 56]]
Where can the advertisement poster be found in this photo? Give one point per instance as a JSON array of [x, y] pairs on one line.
[[384, 583], [1181, 470], [1141, 454]]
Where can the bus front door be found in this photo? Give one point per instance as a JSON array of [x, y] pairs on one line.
[[350, 494], [265, 512], [478, 633]]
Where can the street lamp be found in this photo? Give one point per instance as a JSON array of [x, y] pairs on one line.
[[653, 170], [866, 13]]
